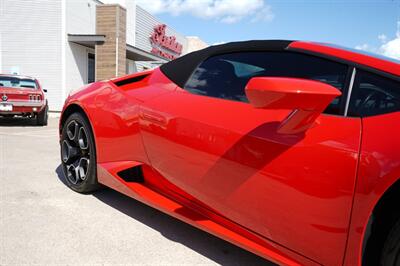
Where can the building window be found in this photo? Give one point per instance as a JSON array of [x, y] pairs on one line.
[[91, 68]]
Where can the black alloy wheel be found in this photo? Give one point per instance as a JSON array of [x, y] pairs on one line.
[[78, 154], [391, 250]]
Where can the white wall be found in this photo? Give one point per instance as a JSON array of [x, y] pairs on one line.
[[1, 33], [81, 16], [130, 22], [31, 43], [143, 65], [130, 66], [76, 66], [80, 19]]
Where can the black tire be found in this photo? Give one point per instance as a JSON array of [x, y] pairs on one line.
[[42, 117], [391, 249], [78, 154]]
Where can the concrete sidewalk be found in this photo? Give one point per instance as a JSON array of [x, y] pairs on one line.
[[43, 222]]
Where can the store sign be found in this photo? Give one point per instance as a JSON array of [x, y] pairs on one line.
[[163, 45]]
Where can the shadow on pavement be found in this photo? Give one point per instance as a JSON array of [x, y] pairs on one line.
[[18, 122], [203, 243]]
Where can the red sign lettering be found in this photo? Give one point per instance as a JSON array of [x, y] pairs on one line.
[[160, 40]]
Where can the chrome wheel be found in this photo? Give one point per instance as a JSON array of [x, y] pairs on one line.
[[75, 152]]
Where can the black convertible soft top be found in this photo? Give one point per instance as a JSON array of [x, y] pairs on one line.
[[180, 69]]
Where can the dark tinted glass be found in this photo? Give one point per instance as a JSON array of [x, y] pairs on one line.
[[91, 68], [16, 82], [374, 95], [225, 76]]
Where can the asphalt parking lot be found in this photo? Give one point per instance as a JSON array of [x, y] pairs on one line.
[[43, 222]]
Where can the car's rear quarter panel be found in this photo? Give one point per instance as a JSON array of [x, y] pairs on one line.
[[114, 113], [379, 168]]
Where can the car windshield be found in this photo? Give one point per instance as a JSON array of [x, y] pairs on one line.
[[16, 82]]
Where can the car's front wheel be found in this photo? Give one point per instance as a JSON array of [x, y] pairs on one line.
[[78, 154], [391, 249]]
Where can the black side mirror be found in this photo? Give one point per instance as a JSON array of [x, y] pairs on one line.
[[45, 90]]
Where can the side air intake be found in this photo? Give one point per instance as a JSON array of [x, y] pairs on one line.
[[133, 174], [130, 80]]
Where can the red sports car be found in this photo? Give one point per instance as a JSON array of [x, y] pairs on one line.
[[288, 149], [22, 96]]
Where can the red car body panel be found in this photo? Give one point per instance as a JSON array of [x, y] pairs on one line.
[[216, 164], [23, 100], [231, 165], [379, 168]]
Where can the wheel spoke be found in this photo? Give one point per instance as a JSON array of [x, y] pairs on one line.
[[75, 152], [69, 153], [72, 174], [82, 168], [82, 139], [72, 130]]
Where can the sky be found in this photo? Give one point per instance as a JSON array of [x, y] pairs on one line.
[[370, 25]]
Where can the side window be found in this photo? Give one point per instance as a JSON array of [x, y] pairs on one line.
[[225, 76], [374, 95]]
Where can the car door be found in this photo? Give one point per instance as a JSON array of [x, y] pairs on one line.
[[208, 141], [376, 99]]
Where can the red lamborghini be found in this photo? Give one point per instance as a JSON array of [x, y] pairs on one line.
[[290, 150]]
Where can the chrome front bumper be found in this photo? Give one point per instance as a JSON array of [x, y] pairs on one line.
[[24, 103]]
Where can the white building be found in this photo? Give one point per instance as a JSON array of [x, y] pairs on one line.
[[69, 43]]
